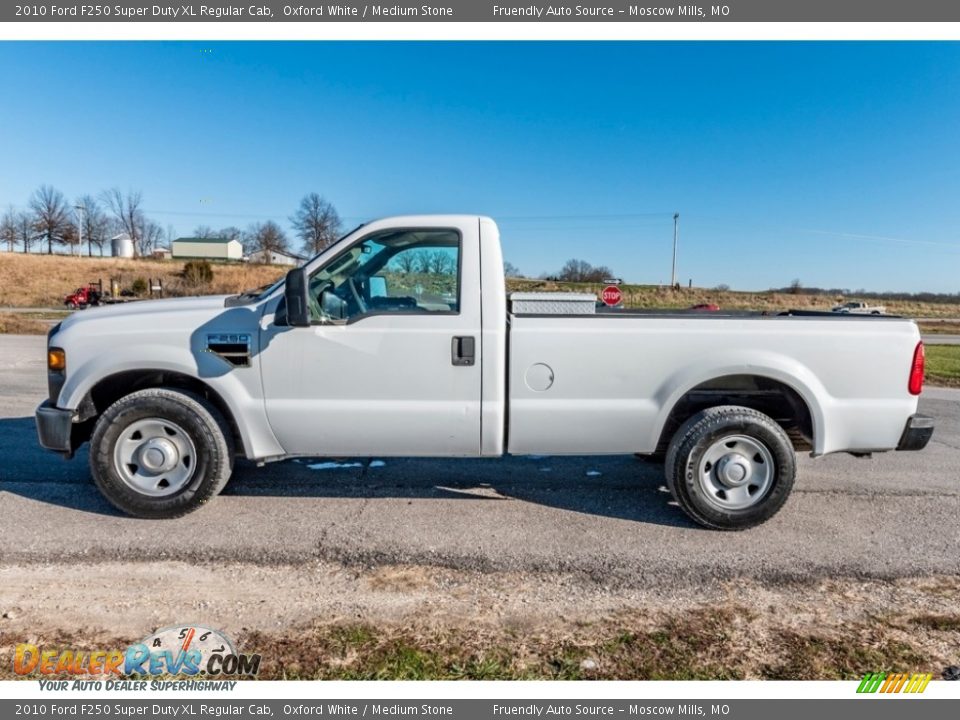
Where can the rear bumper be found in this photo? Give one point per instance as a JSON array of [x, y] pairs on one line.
[[54, 426], [916, 433]]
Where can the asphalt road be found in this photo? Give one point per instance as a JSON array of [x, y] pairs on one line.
[[941, 339], [607, 518]]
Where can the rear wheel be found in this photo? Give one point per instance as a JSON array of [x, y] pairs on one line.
[[730, 467], [160, 453]]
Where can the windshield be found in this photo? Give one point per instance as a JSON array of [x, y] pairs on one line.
[[255, 295]]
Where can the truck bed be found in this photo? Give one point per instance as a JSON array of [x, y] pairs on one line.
[[624, 370]]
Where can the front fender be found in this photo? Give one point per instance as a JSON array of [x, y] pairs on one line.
[[239, 388]]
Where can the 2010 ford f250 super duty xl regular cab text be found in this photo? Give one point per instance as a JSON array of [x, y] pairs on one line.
[[398, 341]]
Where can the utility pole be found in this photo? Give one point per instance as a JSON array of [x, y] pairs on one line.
[[80, 208], [676, 234]]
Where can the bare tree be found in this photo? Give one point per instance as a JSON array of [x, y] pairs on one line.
[[406, 262], [316, 223], [601, 273], [96, 224], [8, 228], [581, 271], [511, 270], [26, 231], [574, 270], [71, 236], [230, 233], [50, 217], [150, 235], [127, 212], [267, 237], [204, 232], [440, 263]]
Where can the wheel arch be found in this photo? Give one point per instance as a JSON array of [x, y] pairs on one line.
[[110, 388], [791, 397]]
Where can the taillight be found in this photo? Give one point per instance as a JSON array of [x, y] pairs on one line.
[[916, 371]]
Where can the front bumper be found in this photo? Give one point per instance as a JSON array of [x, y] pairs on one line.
[[916, 433], [54, 427]]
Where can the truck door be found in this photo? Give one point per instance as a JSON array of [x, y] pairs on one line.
[[391, 363]]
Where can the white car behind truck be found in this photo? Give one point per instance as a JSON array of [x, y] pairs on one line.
[[399, 340]]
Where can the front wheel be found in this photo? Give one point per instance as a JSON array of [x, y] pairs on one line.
[[160, 453], [730, 467]]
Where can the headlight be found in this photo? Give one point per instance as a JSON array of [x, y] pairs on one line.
[[56, 360]]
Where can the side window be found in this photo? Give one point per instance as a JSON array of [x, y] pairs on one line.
[[403, 271]]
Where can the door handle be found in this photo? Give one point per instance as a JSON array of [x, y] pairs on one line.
[[463, 351]]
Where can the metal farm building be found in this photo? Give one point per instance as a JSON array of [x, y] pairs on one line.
[[207, 248]]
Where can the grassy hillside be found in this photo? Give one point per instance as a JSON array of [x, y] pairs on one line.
[[42, 281]]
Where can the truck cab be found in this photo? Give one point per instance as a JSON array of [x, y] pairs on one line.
[[399, 336]]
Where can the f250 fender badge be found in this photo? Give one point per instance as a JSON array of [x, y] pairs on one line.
[[232, 347]]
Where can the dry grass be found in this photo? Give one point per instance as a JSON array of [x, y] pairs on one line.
[[43, 280], [421, 622], [20, 324], [728, 642], [940, 327]]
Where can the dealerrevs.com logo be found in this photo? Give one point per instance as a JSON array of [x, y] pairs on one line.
[[177, 650]]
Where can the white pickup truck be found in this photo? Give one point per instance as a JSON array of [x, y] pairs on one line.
[[398, 341], [859, 308]]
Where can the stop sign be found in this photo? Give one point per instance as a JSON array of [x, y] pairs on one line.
[[611, 295]]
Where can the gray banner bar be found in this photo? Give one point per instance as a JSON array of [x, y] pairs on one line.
[[486, 10], [853, 709]]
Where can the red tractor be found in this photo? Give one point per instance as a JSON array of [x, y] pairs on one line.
[[83, 297]]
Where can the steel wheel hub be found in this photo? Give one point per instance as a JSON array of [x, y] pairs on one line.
[[734, 469], [155, 457], [736, 472], [159, 455]]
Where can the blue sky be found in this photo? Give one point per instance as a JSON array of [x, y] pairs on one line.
[[834, 163]]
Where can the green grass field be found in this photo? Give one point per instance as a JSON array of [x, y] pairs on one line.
[[943, 365]]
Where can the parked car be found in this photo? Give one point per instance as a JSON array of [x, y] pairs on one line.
[[859, 308], [351, 356]]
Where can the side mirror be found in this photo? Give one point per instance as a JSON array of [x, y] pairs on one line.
[[295, 293]]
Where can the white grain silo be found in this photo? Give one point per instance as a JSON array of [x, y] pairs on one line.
[[121, 246]]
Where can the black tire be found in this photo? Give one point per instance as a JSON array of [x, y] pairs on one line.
[[704, 432], [206, 429]]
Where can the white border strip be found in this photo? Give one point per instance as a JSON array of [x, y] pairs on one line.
[[304, 30]]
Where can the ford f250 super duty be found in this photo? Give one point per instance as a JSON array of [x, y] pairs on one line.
[[400, 340]]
